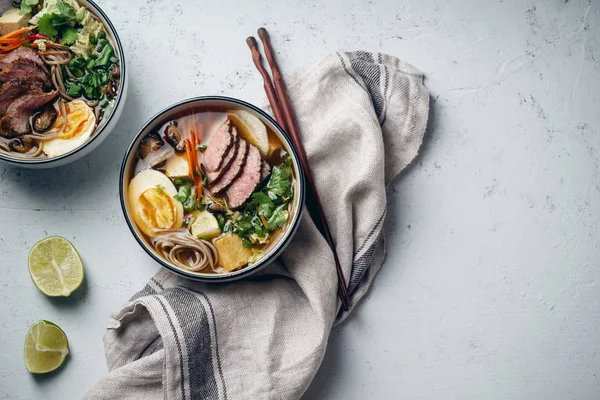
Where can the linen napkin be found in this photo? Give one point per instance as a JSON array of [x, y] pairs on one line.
[[362, 117]]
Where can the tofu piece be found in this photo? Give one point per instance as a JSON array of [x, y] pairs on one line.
[[232, 253], [177, 167], [11, 21]]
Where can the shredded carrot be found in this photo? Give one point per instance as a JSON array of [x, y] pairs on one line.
[[8, 48], [190, 160], [18, 32], [10, 40]]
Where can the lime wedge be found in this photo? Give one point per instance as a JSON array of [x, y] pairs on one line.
[[55, 267], [46, 347]]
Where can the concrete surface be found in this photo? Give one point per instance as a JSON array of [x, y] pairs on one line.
[[489, 289]]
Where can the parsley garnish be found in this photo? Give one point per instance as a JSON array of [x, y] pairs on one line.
[[160, 188], [27, 6], [60, 24]]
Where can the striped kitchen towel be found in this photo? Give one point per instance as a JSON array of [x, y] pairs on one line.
[[362, 117]]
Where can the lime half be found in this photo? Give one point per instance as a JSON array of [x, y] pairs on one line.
[[46, 347], [55, 267]]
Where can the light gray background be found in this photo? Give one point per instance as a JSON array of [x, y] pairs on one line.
[[489, 288]]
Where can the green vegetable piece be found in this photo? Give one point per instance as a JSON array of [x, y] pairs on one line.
[[69, 36], [91, 93], [46, 25], [114, 59], [90, 64], [104, 60], [74, 90], [93, 40], [27, 6], [246, 243], [102, 35], [101, 44], [77, 62], [104, 103], [279, 217], [279, 184], [65, 9], [78, 73]]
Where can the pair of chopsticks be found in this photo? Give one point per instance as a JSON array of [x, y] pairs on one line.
[[280, 104]]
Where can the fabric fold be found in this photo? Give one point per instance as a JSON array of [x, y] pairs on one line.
[[362, 117]]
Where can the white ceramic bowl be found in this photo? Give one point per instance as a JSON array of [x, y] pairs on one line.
[[276, 246], [111, 119]]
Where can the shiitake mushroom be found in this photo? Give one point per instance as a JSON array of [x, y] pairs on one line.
[[174, 138], [43, 120], [21, 145], [115, 72], [150, 143]]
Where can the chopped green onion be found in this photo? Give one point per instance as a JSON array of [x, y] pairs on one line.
[[104, 103], [114, 59], [93, 40], [77, 62], [90, 64], [201, 147], [74, 90], [102, 35], [102, 43]]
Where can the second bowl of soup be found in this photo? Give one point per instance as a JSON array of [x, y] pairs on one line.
[[212, 188]]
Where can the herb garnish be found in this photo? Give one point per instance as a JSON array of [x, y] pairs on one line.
[[27, 6], [61, 24]]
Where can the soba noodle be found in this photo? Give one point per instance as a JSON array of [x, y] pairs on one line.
[[186, 251]]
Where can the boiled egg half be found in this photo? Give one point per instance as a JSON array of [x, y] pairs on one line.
[[80, 125], [152, 204]]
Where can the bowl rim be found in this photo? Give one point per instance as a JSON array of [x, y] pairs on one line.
[[42, 161], [239, 274]]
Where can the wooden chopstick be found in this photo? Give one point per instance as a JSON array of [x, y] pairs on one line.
[[256, 57], [314, 206]]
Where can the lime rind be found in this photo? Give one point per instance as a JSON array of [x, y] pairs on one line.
[[46, 347], [55, 267]]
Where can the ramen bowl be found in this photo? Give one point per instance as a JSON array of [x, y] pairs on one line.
[[211, 108], [65, 153]]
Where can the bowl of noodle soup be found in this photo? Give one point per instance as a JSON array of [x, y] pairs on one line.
[[212, 189]]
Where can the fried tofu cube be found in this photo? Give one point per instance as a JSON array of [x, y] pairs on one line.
[[11, 21], [232, 253], [177, 167]]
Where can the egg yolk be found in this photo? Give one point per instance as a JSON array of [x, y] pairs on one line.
[[78, 114], [156, 210]]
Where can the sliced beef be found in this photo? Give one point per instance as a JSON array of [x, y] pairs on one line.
[[16, 120], [21, 53], [265, 170], [234, 169], [218, 147], [15, 88], [243, 186], [229, 157], [25, 69]]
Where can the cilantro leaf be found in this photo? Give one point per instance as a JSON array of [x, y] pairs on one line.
[[279, 184], [69, 36], [279, 217], [186, 197], [27, 6], [65, 9], [46, 25]]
